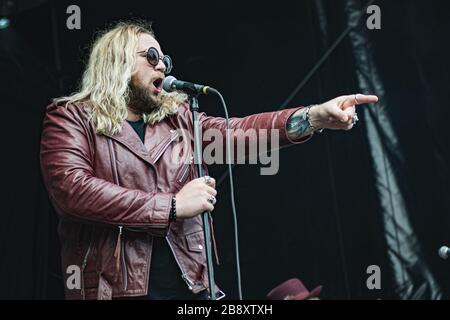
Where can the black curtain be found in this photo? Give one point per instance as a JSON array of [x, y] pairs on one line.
[[411, 276]]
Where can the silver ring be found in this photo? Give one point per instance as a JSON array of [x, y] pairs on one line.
[[212, 200], [355, 119], [356, 100], [207, 180]]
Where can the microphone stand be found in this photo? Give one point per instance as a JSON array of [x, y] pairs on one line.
[[205, 215]]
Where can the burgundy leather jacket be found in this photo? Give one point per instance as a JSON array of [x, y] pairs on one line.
[[113, 194]]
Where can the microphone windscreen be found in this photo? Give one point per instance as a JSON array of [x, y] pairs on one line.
[[167, 83]]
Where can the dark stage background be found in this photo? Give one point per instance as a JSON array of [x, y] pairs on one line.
[[377, 195]]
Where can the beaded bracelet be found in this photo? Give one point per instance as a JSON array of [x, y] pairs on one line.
[[173, 210]]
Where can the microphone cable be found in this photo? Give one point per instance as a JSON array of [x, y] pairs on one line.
[[233, 205]]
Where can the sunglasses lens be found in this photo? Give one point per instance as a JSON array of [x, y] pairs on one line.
[[168, 63], [153, 56], [153, 59]]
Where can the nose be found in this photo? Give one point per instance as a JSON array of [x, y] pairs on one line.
[[160, 66]]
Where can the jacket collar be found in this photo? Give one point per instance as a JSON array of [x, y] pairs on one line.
[[146, 151]]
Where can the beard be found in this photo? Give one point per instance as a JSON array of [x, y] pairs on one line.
[[141, 100]]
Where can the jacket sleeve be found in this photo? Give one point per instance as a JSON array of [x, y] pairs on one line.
[[66, 159], [243, 130]]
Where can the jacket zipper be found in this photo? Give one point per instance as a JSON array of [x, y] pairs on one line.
[[122, 242], [174, 136], [186, 170], [184, 275], [83, 267], [149, 260], [122, 259]]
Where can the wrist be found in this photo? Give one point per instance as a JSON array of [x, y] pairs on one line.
[[314, 118]]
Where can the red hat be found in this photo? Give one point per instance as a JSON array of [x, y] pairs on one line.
[[293, 289]]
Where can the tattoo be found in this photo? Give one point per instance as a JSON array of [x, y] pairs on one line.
[[297, 126]]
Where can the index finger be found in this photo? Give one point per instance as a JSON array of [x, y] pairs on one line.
[[357, 99], [210, 181], [362, 99]]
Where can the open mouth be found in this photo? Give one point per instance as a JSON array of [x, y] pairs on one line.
[[158, 83]]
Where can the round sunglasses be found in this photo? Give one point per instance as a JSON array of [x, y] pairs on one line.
[[152, 55]]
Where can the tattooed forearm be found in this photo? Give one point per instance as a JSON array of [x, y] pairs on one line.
[[297, 126]]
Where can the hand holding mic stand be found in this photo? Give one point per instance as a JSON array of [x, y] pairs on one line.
[[193, 101], [193, 90]]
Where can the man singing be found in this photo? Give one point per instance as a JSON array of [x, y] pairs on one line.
[[129, 214]]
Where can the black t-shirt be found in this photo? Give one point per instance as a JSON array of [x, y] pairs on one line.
[[165, 280]]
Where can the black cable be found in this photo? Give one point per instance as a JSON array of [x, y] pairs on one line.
[[285, 103], [233, 205]]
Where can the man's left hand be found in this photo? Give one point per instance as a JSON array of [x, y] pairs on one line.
[[338, 113]]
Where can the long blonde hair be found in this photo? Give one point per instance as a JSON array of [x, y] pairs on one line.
[[105, 81]]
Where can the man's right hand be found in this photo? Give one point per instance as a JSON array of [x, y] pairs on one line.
[[196, 197]]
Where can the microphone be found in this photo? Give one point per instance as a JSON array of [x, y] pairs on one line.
[[171, 83], [444, 252]]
